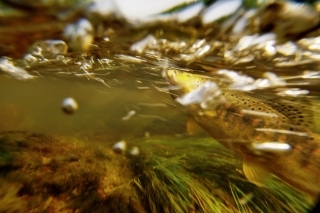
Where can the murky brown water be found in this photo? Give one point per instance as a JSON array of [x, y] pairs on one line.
[[36, 105]]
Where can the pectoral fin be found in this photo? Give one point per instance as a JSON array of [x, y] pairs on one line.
[[193, 128], [255, 174]]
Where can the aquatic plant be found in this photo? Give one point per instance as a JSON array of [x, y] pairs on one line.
[[199, 175], [167, 187]]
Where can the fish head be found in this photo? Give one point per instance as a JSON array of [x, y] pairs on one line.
[[195, 92], [185, 81]]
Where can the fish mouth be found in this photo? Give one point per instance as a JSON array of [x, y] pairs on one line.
[[171, 77], [176, 90]]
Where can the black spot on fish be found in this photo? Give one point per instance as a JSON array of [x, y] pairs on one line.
[[296, 110]]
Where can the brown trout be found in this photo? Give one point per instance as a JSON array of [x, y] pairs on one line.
[[271, 137]]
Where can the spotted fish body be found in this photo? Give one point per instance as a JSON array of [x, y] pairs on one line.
[[239, 122]]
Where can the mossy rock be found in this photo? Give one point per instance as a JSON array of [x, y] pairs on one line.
[[40, 173]]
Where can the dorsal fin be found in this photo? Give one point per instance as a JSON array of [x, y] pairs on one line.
[[298, 110]]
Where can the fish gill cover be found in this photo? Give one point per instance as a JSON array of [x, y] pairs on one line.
[[169, 106]]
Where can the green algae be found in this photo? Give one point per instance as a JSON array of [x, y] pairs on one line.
[[198, 174]]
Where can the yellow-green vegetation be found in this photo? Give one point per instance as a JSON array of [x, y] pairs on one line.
[[199, 175], [167, 187]]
